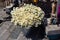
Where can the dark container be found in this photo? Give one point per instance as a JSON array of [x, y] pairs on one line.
[[36, 33], [53, 35]]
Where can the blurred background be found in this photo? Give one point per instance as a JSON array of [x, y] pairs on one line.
[[51, 27]]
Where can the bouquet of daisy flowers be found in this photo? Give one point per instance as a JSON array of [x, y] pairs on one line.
[[27, 15]]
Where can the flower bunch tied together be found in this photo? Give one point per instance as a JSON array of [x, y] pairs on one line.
[[27, 15]]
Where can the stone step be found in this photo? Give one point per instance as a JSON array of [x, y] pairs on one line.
[[15, 33], [5, 26], [11, 39], [22, 37], [5, 35], [4, 32], [18, 34], [12, 27]]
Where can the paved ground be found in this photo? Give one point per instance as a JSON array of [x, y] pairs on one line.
[[8, 31]]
